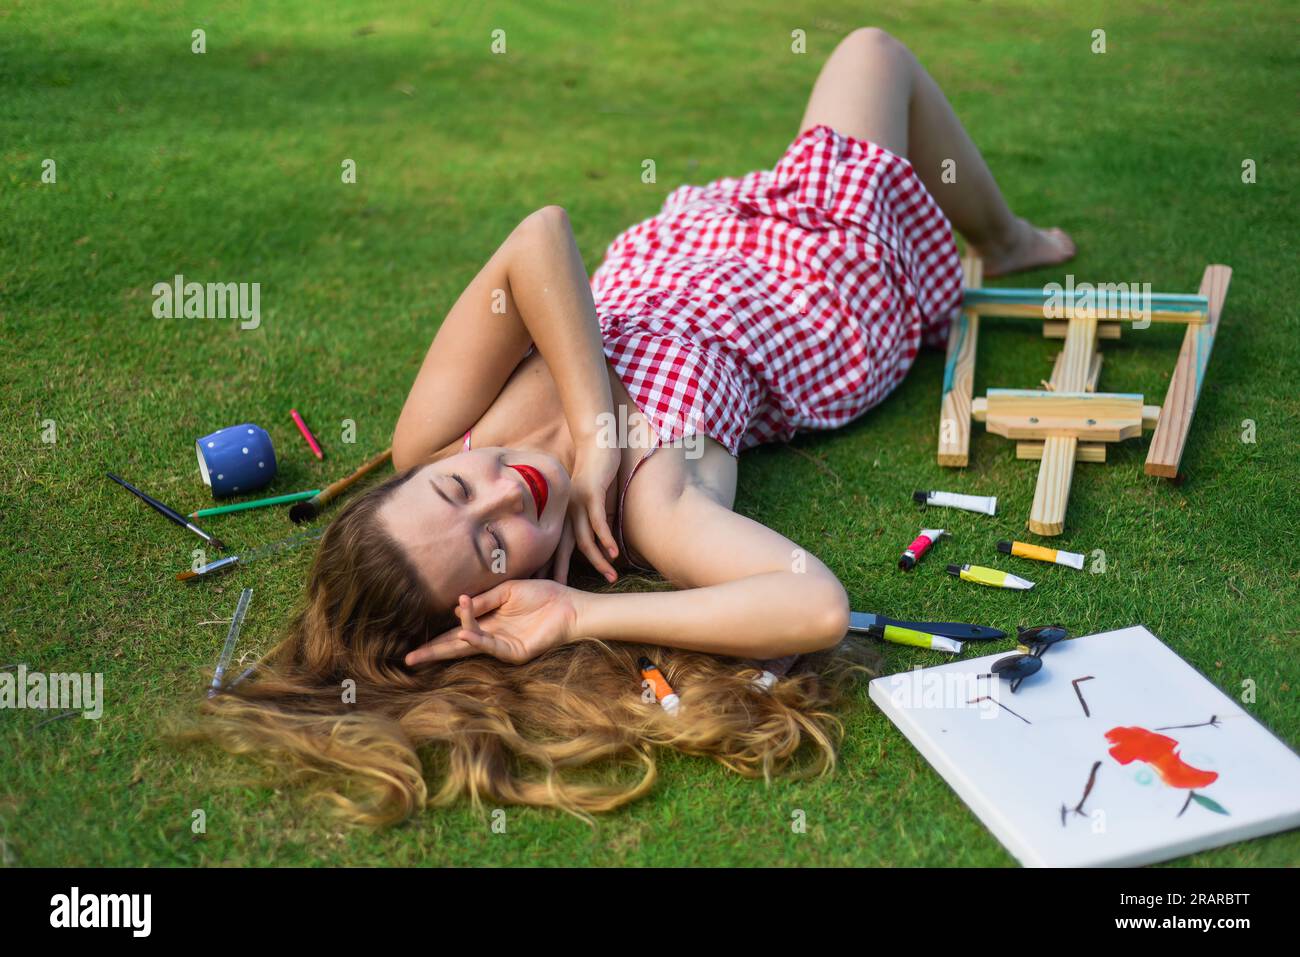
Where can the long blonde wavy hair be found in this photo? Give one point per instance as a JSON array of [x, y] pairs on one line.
[[476, 727]]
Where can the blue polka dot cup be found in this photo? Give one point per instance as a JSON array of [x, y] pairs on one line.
[[236, 459]]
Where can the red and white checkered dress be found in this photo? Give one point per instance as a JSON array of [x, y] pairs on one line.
[[789, 299]]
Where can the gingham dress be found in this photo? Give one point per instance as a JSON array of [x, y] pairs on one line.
[[789, 299]]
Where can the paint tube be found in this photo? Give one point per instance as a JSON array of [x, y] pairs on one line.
[[917, 639], [993, 577], [920, 545], [1041, 554], [663, 691], [985, 505], [773, 670]]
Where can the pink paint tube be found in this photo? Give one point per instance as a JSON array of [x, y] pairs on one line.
[[919, 547]]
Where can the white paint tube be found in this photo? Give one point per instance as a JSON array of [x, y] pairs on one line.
[[986, 505], [772, 671]]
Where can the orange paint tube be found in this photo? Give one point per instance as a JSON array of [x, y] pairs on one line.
[[664, 693], [1040, 553]]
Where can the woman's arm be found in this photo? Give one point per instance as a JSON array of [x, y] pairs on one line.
[[748, 590], [548, 282], [750, 593], [760, 616], [533, 291]]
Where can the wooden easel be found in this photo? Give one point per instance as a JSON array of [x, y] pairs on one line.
[[1068, 420]]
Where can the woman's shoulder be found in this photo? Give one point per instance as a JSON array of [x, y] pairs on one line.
[[698, 467]]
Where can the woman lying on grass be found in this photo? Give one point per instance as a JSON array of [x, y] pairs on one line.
[[556, 416]]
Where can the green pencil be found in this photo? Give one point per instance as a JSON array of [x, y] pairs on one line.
[[256, 503]]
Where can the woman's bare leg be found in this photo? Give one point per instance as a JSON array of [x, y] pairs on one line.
[[874, 88]]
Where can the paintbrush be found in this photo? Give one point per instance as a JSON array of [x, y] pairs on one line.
[[306, 511], [256, 503], [232, 635], [170, 513], [262, 551]]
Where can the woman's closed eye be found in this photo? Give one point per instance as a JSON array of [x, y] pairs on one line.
[[498, 544]]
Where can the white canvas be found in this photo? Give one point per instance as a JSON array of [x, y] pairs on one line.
[[1018, 773]]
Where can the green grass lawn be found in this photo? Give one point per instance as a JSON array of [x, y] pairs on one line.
[[226, 167]]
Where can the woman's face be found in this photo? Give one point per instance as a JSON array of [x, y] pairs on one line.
[[478, 518]]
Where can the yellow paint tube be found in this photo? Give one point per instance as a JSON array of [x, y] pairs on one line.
[[919, 639], [990, 576], [1040, 554]]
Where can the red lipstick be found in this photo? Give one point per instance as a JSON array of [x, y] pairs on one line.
[[536, 484]]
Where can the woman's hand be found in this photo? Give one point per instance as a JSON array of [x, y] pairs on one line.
[[593, 472], [515, 621]]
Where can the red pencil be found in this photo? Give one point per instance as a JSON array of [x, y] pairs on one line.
[[306, 433]]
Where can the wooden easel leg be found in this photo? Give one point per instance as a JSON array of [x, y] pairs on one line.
[[1166, 450], [1056, 473], [959, 376], [1052, 494]]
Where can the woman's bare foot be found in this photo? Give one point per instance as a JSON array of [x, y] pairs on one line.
[[1027, 248]]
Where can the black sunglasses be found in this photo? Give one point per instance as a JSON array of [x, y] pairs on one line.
[[1016, 668]]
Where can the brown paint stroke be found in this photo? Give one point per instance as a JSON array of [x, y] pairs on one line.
[[1212, 723], [1078, 808], [999, 704], [1075, 682]]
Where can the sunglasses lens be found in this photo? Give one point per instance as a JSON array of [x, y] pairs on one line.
[[1042, 635], [1016, 666]]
